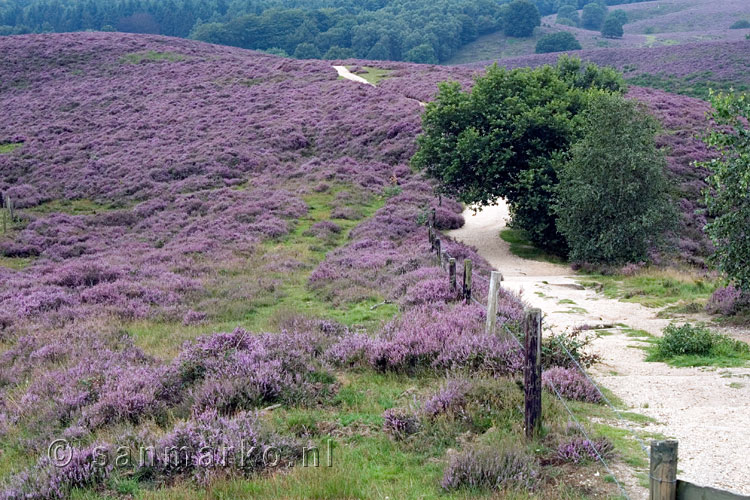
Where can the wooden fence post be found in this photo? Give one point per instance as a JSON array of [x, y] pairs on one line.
[[438, 252], [495, 278], [467, 280], [532, 373], [663, 470], [433, 217], [452, 273]]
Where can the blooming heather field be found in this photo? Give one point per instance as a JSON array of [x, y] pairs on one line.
[[167, 190]]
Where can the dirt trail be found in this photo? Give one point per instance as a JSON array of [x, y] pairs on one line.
[[697, 406], [344, 72]]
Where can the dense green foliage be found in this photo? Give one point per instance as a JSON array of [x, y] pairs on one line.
[[612, 28], [508, 136], [568, 12], [593, 16], [411, 30], [728, 199], [696, 345], [740, 25], [557, 42], [613, 204], [521, 17]]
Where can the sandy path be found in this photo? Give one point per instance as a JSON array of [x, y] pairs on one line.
[[710, 418], [344, 72]]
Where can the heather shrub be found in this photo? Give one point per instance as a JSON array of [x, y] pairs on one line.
[[451, 397], [580, 449], [571, 384], [564, 349], [495, 467], [446, 219], [725, 301], [400, 423]]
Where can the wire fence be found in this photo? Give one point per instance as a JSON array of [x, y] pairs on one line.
[[443, 259]]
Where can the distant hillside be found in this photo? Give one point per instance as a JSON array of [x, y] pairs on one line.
[[650, 24], [689, 69]]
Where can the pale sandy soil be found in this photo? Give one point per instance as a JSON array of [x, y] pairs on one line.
[[344, 72], [710, 418]]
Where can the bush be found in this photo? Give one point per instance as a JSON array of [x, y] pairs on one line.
[[569, 13], [740, 25], [555, 349], [724, 301], [557, 42], [697, 341], [400, 423], [580, 449], [571, 384], [491, 467], [612, 28], [613, 202], [592, 16], [521, 18]]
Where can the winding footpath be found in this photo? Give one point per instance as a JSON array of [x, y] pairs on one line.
[[706, 409]]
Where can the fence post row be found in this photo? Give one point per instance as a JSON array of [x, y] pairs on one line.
[[663, 470], [495, 278], [438, 252], [532, 373]]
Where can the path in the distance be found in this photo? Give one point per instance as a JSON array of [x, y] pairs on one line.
[[710, 418], [344, 72]]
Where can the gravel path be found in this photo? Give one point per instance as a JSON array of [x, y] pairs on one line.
[[344, 72], [706, 409]]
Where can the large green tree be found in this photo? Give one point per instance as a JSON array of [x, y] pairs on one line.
[[521, 17], [506, 138], [613, 204], [728, 199], [592, 16]]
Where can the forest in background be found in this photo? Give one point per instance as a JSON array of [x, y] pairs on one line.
[[422, 31]]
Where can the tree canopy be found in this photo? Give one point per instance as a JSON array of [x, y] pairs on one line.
[[728, 199], [521, 17], [508, 137], [557, 42]]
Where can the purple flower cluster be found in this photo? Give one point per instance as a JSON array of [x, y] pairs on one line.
[[400, 423], [450, 398], [443, 338], [571, 384], [490, 467], [724, 301], [579, 450]]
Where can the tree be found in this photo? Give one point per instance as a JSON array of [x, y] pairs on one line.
[[506, 137], [423, 53], [592, 16], [728, 196], [569, 13], [613, 204], [612, 28], [620, 15], [557, 42], [306, 51], [337, 52], [521, 18]]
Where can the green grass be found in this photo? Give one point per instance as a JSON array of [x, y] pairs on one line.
[[520, 246], [15, 263], [374, 75], [151, 56], [654, 287], [240, 296], [9, 147]]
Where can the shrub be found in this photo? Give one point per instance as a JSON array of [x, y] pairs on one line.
[[592, 16], [571, 384], [521, 17], [580, 449], [740, 25], [491, 467], [400, 423], [612, 28], [555, 349], [450, 398], [568, 13], [557, 42], [689, 345], [724, 301]]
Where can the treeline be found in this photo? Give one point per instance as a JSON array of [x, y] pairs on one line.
[[427, 31]]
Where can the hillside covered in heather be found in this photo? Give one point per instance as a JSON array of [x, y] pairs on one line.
[[201, 232]]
